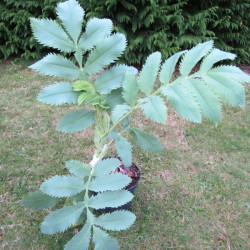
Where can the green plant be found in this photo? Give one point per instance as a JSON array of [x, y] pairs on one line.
[[113, 96]]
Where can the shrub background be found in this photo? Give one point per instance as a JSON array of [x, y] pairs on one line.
[[150, 25]]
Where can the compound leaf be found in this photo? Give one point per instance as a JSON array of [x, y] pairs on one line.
[[62, 219], [76, 121], [155, 109], [111, 79], [119, 111], [78, 168], [182, 101], [103, 241], [146, 141], [105, 53], [110, 199], [83, 86], [106, 166], [111, 182], [130, 89], [168, 67], [81, 240], [116, 221], [89, 98], [96, 30], [38, 200], [71, 14], [63, 186], [57, 65], [207, 101], [58, 94], [226, 88], [114, 98], [229, 72], [213, 57], [124, 150], [193, 56], [149, 73], [50, 33]]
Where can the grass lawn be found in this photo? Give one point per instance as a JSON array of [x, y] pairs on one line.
[[195, 195]]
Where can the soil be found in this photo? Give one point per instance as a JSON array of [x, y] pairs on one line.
[[245, 68], [133, 172]]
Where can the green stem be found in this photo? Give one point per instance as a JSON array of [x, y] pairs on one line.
[[100, 153], [97, 157], [121, 119]]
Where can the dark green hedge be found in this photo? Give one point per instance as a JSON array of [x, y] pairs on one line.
[[150, 25], [15, 34]]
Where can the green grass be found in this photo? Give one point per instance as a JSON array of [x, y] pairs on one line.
[[193, 196]]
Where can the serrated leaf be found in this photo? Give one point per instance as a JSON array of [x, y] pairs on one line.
[[132, 70], [114, 98], [213, 57], [146, 141], [155, 109], [124, 150], [109, 182], [106, 166], [79, 56], [182, 101], [57, 65], [49, 33], [149, 73], [208, 102], [58, 94], [126, 122], [105, 53], [78, 197], [116, 221], [90, 217], [81, 240], [83, 86], [110, 199], [130, 89], [38, 200], [89, 98], [78, 168], [227, 89], [71, 14], [103, 241], [62, 219], [76, 121], [110, 79], [193, 56], [96, 30], [119, 111], [63, 186], [230, 72], [168, 67], [113, 135]]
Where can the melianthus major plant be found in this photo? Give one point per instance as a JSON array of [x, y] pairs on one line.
[[114, 94]]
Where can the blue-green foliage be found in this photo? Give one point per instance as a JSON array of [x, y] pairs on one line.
[[39, 200], [111, 194]]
